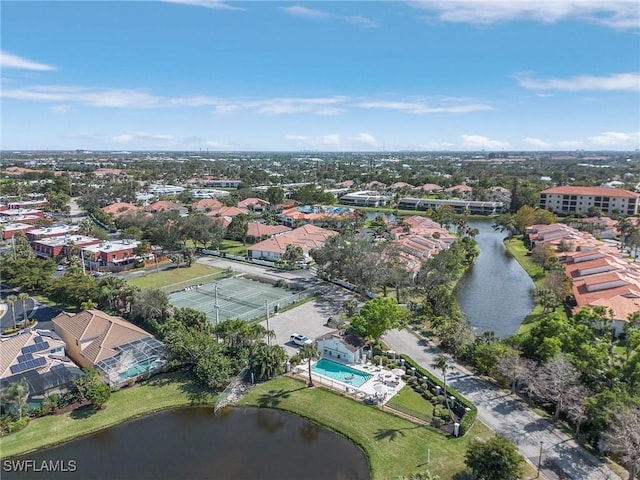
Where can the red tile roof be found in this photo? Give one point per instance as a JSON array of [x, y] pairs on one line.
[[591, 191]]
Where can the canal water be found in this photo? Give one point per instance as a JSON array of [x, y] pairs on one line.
[[496, 293], [195, 444]]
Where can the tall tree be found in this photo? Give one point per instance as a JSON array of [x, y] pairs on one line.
[[239, 227], [442, 363], [377, 316], [493, 459], [622, 438], [11, 300], [268, 360], [309, 352], [23, 297], [554, 382], [17, 395]]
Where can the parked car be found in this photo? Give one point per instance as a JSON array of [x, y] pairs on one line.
[[299, 339]]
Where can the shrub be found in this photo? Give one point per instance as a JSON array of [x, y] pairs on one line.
[[418, 388], [295, 360], [18, 425], [427, 394]]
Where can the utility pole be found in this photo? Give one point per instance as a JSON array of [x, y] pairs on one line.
[[539, 460], [266, 308], [216, 305]]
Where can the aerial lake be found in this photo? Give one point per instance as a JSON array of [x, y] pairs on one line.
[[496, 293], [195, 444]]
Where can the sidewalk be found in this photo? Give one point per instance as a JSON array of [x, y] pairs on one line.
[[561, 457]]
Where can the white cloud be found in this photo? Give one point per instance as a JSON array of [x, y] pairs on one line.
[[482, 142], [365, 139], [296, 138], [621, 14], [213, 4], [332, 140], [288, 105], [618, 81], [423, 108], [616, 139], [60, 109], [8, 60], [143, 139], [306, 12], [300, 11], [536, 142], [142, 136]]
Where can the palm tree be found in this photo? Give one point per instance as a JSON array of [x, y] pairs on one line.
[[23, 297], [310, 352], [11, 300], [268, 360], [17, 395], [441, 362]]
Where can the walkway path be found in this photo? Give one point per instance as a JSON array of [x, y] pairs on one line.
[[561, 457]]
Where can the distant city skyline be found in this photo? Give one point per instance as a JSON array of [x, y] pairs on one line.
[[198, 75]]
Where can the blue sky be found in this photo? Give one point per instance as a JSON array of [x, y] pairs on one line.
[[325, 76]]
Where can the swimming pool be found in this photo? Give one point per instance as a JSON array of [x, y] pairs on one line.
[[340, 372]]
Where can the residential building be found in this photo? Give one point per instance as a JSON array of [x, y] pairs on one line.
[[255, 204], [53, 231], [165, 205], [256, 231], [55, 246], [459, 191], [10, 229], [337, 345], [459, 206], [575, 199], [365, 198], [21, 215], [295, 216], [119, 209], [307, 237], [115, 253], [37, 356], [206, 205], [222, 183], [121, 351]]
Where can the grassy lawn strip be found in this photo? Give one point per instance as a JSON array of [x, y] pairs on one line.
[[412, 403], [393, 445], [158, 393], [196, 273], [233, 247], [521, 254]]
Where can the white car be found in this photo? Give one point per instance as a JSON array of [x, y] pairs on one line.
[[300, 339]]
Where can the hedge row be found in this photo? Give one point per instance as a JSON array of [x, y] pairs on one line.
[[469, 417]]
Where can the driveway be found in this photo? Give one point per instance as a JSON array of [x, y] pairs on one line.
[[510, 417]]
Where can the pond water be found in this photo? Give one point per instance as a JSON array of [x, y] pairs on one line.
[[195, 444], [496, 293]]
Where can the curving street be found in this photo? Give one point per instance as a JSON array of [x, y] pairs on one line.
[[561, 459]]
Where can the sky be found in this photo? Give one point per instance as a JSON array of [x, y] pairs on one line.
[[207, 75]]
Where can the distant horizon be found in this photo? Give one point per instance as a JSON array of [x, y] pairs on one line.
[[325, 152], [335, 76]]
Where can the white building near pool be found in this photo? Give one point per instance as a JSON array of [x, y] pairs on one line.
[[338, 346]]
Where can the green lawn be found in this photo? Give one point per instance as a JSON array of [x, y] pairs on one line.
[[234, 247], [158, 393], [185, 277], [411, 402], [393, 445], [536, 272]]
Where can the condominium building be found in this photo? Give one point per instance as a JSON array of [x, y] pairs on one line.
[[575, 199]]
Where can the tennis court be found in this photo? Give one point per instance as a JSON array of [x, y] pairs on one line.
[[237, 297]]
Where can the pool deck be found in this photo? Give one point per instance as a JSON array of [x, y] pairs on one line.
[[382, 385]]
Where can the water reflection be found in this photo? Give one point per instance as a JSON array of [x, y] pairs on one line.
[[496, 293], [195, 444]]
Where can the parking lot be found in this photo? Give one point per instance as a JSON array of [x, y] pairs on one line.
[[309, 318]]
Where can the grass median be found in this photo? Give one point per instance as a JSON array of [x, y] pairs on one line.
[[393, 445], [160, 392]]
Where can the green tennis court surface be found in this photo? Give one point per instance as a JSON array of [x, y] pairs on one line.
[[237, 297]]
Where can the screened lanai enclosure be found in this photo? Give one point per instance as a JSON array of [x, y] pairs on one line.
[[133, 361]]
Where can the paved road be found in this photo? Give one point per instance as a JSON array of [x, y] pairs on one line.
[[561, 457]]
